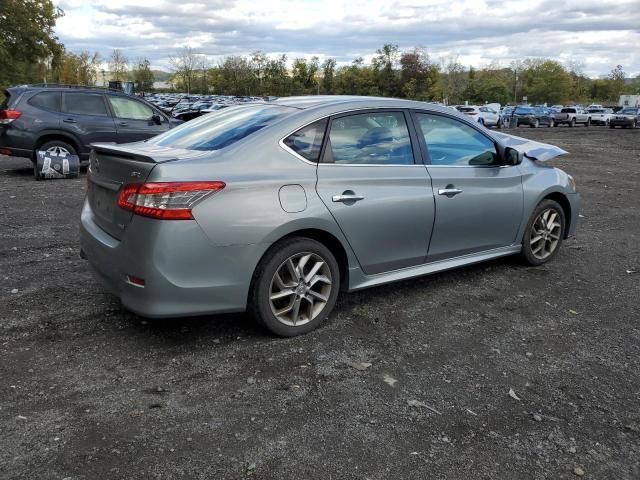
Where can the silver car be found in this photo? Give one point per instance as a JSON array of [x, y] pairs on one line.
[[276, 207]]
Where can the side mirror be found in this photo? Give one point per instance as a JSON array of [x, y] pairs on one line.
[[512, 156], [157, 119]]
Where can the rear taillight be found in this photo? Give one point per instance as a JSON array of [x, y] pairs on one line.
[[166, 201], [8, 116]]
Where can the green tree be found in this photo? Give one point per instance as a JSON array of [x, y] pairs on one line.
[[28, 45], [118, 65], [328, 74], [143, 76]]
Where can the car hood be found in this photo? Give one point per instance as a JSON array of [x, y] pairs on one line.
[[534, 150]]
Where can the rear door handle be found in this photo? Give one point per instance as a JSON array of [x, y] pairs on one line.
[[69, 120], [123, 124], [449, 192], [347, 198]]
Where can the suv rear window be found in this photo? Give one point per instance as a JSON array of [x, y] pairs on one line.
[[47, 100], [221, 129], [85, 104]]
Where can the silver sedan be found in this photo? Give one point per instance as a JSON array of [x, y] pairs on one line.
[[276, 207]]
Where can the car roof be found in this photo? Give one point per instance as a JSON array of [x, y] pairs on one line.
[[308, 102], [64, 88]]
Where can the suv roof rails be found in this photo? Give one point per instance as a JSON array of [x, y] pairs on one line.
[[66, 85]]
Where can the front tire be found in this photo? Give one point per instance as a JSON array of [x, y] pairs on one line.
[[294, 287], [544, 234], [572, 123]]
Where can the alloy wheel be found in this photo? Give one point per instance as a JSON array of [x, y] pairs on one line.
[[58, 151], [545, 234], [300, 289]]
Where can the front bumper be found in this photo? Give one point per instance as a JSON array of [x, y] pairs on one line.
[[184, 273], [574, 203], [627, 122]]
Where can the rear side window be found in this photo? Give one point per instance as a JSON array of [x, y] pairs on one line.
[[379, 138], [85, 104], [307, 141], [221, 129], [47, 100], [127, 108]]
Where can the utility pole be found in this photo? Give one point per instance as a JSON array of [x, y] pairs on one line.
[[515, 90]]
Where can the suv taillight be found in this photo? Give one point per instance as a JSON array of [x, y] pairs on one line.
[[166, 201], [8, 116]]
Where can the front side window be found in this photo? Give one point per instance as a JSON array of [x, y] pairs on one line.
[[377, 138], [307, 141], [451, 142], [222, 128], [85, 104], [130, 109], [47, 100]]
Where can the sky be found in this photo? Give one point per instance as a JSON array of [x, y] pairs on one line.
[[596, 35]]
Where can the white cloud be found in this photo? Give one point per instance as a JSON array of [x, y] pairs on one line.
[[599, 34]]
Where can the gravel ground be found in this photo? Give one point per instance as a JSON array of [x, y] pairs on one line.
[[406, 381]]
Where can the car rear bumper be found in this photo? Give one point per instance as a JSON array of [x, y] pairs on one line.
[[184, 273]]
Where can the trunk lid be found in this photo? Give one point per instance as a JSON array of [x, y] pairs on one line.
[[534, 150], [113, 166]]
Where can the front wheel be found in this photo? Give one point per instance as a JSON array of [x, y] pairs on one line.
[[294, 287], [588, 124], [544, 233], [573, 122], [551, 123]]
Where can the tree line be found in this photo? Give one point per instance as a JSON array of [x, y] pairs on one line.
[[31, 53]]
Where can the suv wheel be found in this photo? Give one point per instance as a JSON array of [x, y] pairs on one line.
[[295, 287], [56, 147], [544, 233]]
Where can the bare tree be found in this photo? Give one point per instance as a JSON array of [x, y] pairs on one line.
[[184, 65], [118, 65]]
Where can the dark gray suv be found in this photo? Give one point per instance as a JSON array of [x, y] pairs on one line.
[[68, 118]]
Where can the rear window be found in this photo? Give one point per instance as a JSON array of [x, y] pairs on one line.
[[221, 129], [568, 110], [466, 109], [524, 110], [47, 100]]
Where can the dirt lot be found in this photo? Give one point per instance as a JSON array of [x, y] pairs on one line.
[[90, 391]]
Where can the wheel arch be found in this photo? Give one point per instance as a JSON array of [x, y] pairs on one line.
[[566, 208], [330, 241], [62, 137]]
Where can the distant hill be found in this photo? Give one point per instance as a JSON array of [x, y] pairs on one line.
[[160, 76]]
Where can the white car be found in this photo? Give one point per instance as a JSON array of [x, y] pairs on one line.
[[487, 115], [600, 116]]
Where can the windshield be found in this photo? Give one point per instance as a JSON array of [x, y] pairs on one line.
[[221, 129], [524, 110], [629, 111]]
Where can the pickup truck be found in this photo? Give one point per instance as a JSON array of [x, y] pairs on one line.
[[572, 116], [600, 116]]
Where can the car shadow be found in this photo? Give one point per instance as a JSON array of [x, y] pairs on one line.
[[227, 328]]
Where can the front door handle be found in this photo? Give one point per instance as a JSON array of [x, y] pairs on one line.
[[347, 198], [449, 192], [123, 124], [69, 120]]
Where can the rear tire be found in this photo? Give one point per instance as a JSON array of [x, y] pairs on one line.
[[56, 146], [544, 233], [294, 287]]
